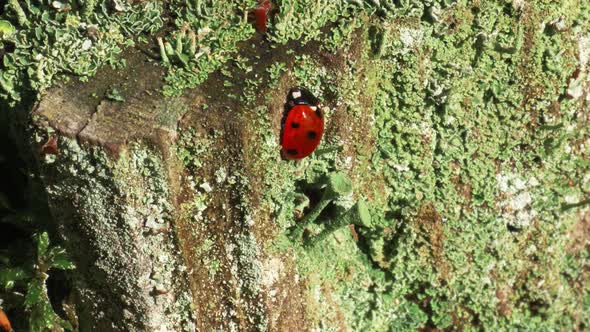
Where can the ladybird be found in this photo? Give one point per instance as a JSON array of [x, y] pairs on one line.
[[50, 147], [4, 322], [303, 124], [260, 14]]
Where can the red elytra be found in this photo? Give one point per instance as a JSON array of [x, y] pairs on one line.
[[302, 131], [261, 13], [4, 322]]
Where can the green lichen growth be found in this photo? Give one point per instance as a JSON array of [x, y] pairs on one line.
[[462, 132], [311, 14], [453, 143], [6, 30], [469, 115], [337, 185], [56, 42], [216, 28]]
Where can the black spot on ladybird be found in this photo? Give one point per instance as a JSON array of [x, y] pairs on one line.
[[311, 134], [292, 152], [294, 125]]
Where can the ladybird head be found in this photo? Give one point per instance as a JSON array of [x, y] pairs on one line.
[[301, 96]]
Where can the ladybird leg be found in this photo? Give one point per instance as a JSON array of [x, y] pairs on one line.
[[328, 149]]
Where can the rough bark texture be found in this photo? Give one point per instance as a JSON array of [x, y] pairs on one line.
[[121, 189], [463, 125], [112, 185]]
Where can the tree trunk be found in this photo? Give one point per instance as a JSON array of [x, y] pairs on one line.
[[464, 127], [158, 200]]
